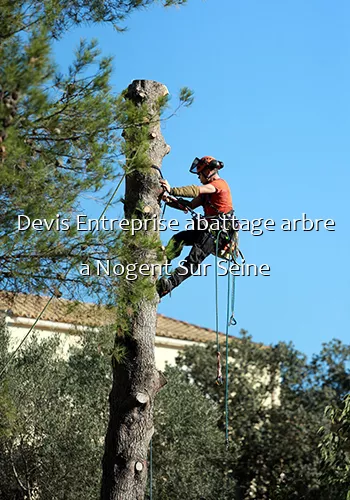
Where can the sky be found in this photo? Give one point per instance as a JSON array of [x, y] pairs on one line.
[[271, 82]]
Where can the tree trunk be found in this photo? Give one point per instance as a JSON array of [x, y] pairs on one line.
[[135, 378]]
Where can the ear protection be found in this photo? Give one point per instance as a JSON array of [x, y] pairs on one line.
[[216, 164]]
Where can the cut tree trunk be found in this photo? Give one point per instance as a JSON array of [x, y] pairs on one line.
[[135, 378]]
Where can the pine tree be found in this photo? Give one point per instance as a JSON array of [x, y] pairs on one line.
[[59, 138], [135, 378]]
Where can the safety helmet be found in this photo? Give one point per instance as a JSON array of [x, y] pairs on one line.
[[200, 164]]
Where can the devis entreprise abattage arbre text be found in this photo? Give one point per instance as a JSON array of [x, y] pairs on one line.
[[256, 227]]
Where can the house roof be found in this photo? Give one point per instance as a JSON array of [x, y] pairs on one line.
[[93, 315]]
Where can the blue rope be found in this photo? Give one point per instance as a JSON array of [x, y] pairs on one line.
[[232, 321], [228, 322], [218, 355]]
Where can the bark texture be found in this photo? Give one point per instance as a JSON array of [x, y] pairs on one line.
[[136, 380]]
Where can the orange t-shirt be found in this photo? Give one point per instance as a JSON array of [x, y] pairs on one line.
[[218, 202]]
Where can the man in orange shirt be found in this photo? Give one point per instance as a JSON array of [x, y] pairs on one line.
[[214, 196]]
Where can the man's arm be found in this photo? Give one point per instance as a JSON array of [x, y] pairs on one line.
[[191, 191], [207, 189], [196, 202]]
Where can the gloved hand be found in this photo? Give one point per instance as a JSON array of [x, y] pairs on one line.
[[178, 204], [165, 185]]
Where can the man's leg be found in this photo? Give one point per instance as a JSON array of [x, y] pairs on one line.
[[203, 245], [177, 242]]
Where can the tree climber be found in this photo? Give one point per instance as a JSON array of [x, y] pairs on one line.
[[215, 197]]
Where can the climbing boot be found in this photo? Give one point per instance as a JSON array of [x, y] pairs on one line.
[[164, 286]]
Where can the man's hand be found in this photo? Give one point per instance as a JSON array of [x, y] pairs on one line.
[[167, 198], [174, 203], [165, 185]]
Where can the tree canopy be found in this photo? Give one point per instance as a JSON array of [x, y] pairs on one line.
[[60, 138], [53, 412]]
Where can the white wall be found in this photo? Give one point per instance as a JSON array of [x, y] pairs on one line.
[[166, 349]]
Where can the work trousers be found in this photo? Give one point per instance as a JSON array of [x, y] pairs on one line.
[[203, 244]]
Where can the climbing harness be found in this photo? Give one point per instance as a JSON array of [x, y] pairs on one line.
[[227, 241]]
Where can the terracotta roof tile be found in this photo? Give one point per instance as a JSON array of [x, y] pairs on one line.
[[176, 329], [89, 314]]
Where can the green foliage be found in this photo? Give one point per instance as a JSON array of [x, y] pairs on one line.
[[7, 412], [162, 104], [329, 371], [168, 3], [57, 142], [61, 15], [119, 353], [189, 450], [61, 414], [335, 448], [134, 119], [276, 403], [60, 140], [53, 414], [186, 96], [53, 446]]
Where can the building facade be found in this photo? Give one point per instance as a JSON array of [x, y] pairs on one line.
[[69, 318]]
